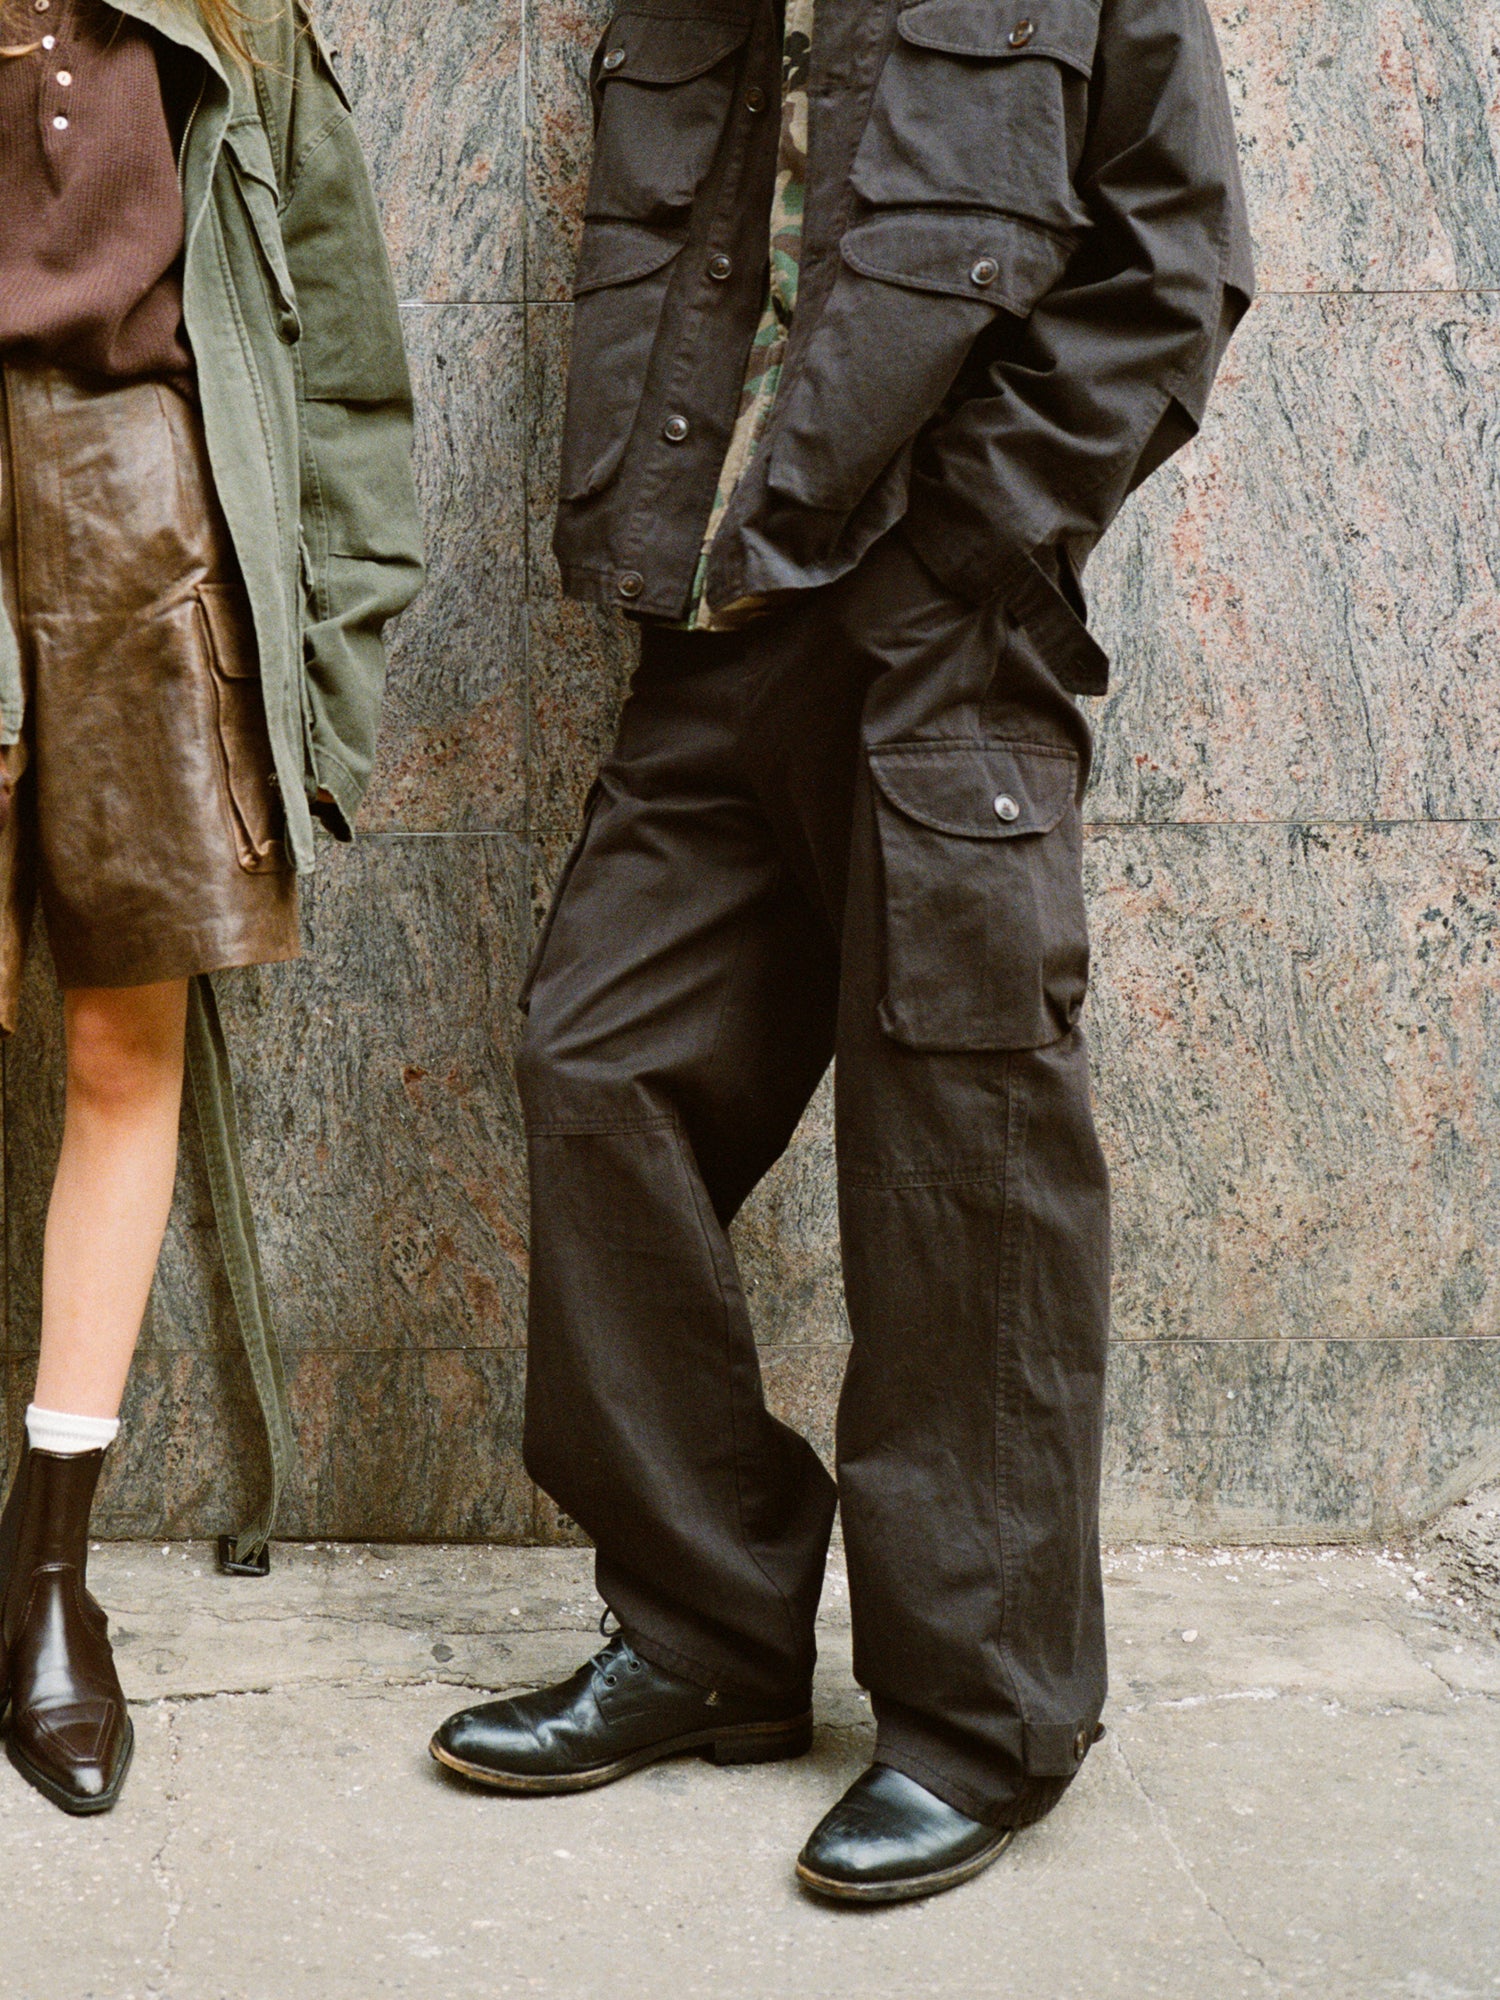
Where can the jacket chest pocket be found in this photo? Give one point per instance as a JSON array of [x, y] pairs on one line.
[[986, 938], [662, 87], [256, 194], [982, 104]]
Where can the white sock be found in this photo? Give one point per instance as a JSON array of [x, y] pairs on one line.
[[67, 1436]]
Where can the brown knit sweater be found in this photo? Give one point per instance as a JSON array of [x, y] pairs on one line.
[[90, 209]]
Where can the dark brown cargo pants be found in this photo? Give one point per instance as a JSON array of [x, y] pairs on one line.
[[851, 828]]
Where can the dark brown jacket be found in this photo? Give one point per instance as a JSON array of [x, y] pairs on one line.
[[1025, 252]]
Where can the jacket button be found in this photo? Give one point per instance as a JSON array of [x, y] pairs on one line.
[[631, 583], [1080, 1746], [616, 56], [1022, 33], [1006, 808], [719, 267], [985, 271], [675, 429], [755, 99]]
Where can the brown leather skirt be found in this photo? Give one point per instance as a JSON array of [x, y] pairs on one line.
[[145, 815]]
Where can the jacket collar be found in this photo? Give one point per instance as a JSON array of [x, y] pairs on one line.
[[179, 21]]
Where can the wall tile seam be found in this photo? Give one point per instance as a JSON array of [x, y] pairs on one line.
[[1381, 292], [549, 828], [1172, 1342], [562, 300], [1312, 824]]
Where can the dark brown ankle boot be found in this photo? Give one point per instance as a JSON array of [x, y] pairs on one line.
[[70, 1734]]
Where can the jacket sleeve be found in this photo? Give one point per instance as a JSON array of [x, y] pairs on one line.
[[1064, 414], [361, 532]]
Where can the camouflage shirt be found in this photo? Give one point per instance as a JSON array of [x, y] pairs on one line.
[[768, 349]]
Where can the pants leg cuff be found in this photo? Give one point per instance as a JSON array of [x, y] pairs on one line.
[[731, 1678], [996, 1799]]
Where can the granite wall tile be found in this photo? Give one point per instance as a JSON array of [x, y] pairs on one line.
[[1313, 1440], [1369, 136], [381, 1135], [1302, 607], [786, 1240], [1294, 1034], [560, 39], [390, 1446], [437, 103], [548, 336], [580, 659], [453, 734]]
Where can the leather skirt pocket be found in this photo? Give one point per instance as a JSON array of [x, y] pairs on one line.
[[244, 745], [986, 937]]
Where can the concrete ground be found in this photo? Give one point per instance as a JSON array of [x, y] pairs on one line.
[[1298, 1794]]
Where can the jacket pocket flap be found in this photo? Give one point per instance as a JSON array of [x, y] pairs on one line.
[[617, 253], [650, 48], [977, 791], [251, 149], [999, 260], [1066, 30]]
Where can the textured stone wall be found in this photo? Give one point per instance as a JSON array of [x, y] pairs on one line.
[[1293, 855]]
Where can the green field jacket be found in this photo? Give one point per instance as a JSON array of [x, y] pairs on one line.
[[291, 313]]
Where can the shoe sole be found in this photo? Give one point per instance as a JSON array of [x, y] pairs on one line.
[[748, 1743], [60, 1796], [910, 1887]]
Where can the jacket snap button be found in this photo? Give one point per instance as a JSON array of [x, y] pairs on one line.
[[616, 57], [719, 267], [1022, 33], [675, 429], [755, 100], [631, 583], [1006, 808], [985, 271], [1080, 1746]]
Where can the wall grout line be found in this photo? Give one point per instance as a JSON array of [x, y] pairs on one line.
[[525, 298]]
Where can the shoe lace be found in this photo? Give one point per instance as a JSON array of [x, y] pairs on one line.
[[618, 1654]]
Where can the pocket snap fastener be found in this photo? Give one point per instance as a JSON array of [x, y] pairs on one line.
[[614, 59], [1022, 33], [631, 584], [1006, 808], [985, 272]]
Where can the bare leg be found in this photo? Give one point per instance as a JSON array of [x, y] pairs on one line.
[[113, 1189]]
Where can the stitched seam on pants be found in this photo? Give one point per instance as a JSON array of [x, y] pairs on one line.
[[990, 1176], [695, 1188], [1006, 1278], [583, 1131]]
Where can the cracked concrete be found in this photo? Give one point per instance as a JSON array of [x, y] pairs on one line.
[[1298, 1795]]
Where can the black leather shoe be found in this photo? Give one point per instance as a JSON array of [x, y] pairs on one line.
[[615, 1714], [889, 1840]]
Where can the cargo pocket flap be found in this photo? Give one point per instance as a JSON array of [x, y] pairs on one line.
[[998, 260], [977, 791], [1065, 30], [228, 619], [647, 48], [617, 253]]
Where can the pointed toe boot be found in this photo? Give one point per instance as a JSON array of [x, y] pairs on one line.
[[69, 1732]]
